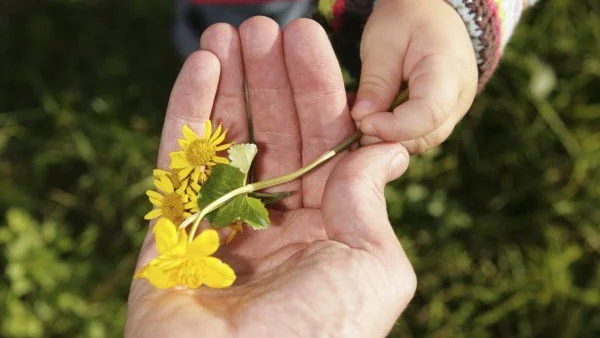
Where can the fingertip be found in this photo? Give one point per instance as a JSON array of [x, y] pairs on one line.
[[303, 27], [257, 34], [202, 63], [219, 34]]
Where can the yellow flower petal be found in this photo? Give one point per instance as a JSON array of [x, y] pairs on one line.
[[157, 277], [196, 174], [215, 134], [217, 274], [156, 202], [159, 172], [219, 159], [219, 139], [204, 244], [154, 194], [188, 133], [183, 173], [152, 214], [182, 143], [207, 129], [178, 160], [191, 205], [223, 146], [164, 184], [165, 234]]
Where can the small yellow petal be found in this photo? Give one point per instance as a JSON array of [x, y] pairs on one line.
[[207, 129], [159, 172], [182, 143], [152, 214], [223, 146], [164, 184], [217, 274], [219, 139], [165, 235], [215, 134], [196, 174], [188, 133], [154, 194], [204, 244], [191, 205], [156, 202], [178, 160], [183, 173], [195, 186], [219, 159], [157, 277]]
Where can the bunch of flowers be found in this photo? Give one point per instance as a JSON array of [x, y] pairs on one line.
[[203, 184]]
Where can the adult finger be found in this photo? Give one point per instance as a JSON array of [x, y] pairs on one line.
[[274, 121], [354, 206], [191, 101], [230, 104], [319, 97]]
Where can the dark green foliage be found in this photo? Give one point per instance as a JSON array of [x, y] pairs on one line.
[[502, 222]]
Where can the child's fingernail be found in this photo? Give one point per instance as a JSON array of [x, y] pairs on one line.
[[362, 108], [367, 128]]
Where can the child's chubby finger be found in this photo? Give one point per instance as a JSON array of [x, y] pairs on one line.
[[439, 92]]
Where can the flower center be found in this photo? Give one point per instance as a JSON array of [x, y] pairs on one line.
[[190, 273], [172, 208], [200, 153]]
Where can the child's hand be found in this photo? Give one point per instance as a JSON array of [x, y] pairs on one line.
[[426, 44]]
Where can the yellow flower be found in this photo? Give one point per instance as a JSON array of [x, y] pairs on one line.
[[198, 154], [171, 203], [190, 189], [186, 264]]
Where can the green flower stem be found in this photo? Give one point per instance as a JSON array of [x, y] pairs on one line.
[[252, 187]]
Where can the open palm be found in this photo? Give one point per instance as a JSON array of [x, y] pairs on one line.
[[329, 264]]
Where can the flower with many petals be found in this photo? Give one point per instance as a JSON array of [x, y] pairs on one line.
[[186, 264], [199, 154], [170, 203]]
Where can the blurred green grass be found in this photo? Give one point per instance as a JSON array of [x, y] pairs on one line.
[[502, 222]]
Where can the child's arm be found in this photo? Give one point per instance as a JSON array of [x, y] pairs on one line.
[[444, 50]]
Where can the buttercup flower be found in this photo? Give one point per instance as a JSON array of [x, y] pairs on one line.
[[186, 264], [170, 203], [198, 154]]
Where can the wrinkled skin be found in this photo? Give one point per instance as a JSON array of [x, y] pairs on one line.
[[330, 263]]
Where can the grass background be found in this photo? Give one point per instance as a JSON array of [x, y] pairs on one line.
[[502, 222]]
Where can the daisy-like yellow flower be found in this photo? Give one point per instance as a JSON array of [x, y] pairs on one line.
[[198, 154], [186, 264], [190, 189], [170, 203]]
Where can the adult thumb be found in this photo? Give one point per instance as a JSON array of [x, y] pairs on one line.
[[354, 207]]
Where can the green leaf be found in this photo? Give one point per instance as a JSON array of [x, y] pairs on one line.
[[225, 178], [241, 156]]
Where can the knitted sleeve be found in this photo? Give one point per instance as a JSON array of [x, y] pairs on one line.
[[490, 24]]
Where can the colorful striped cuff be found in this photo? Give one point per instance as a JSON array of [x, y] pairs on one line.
[[490, 24]]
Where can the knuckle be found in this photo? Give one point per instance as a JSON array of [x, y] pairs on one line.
[[375, 81], [436, 113]]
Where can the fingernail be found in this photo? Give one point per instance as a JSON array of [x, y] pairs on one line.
[[367, 128], [362, 108], [398, 165]]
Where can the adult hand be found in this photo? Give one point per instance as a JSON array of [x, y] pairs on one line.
[[425, 44], [330, 263]]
